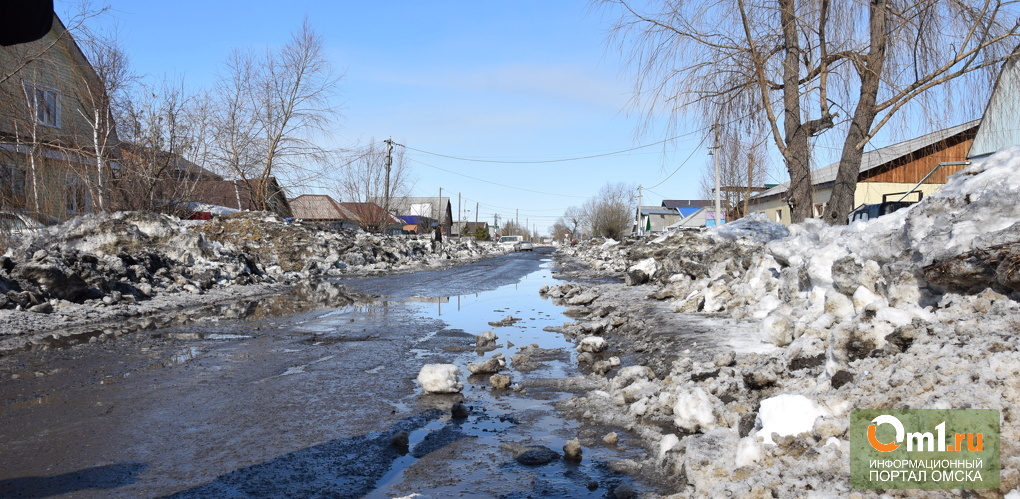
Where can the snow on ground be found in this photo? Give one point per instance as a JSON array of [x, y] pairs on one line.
[[916, 309], [103, 269]]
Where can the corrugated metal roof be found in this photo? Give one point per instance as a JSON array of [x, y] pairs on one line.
[[1000, 126], [683, 203], [878, 157], [657, 210]]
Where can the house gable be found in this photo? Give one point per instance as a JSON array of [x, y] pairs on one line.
[[999, 125]]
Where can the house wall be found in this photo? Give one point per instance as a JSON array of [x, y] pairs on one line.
[[52, 63], [899, 176], [866, 193], [917, 168]]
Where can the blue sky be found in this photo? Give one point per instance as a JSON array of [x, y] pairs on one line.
[[500, 80]]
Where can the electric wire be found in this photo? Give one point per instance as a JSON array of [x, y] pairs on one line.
[[545, 161], [495, 183]]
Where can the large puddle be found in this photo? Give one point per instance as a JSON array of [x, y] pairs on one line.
[[323, 385], [502, 421]]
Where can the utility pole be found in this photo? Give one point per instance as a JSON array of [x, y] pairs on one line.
[[715, 161], [460, 220], [439, 208], [750, 183], [476, 214], [641, 226], [386, 195], [517, 220]]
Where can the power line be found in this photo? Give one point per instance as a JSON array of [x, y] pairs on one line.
[[681, 164], [496, 183], [543, 161]]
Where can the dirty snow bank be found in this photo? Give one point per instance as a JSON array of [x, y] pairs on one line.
[[917, 309], [105, 265]]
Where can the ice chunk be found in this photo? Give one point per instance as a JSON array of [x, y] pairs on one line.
[[694, 410], [788, 414], [648, 266], [440, 378], [667, 443], [592, 344], [749, 451]]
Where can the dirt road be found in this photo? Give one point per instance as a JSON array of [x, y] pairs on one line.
[[312, 404]]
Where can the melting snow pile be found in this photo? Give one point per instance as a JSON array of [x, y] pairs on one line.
[[916, 309], [120, 259]]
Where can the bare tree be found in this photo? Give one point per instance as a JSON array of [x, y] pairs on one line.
[[926, 51], [795, 65], [512, 228], [362, 176], [611, 212], [574, 219], [96, 106], [561, 232], [743, 168], [34, 136], [272, 105], [162, 127]]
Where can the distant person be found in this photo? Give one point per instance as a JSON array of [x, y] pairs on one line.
[[437, 240]]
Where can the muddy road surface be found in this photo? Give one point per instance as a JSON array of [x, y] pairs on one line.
[[316, 403]]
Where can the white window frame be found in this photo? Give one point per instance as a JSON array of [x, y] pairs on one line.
[[33, 91]]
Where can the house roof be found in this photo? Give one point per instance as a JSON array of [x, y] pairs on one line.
[[694, 219], [369, 213], [235, 194], [318, 207], [402, 206], [878, 157], [657, 210], [180, 164], [999, 125], [673, 204]]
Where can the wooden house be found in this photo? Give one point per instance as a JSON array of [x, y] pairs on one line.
[[897, 168], [426, 212], [58, 146]]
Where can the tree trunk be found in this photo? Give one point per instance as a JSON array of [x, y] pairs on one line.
[[870, 71], [796, 155]]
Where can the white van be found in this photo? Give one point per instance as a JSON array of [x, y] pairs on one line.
[[508, 242]]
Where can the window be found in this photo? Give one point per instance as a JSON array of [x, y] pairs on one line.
[[78, 199], [779, 215], [12, 186], [44, 103]]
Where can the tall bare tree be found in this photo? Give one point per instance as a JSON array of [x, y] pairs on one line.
[[574, 219], [611, 212], [796, 65], [97, 100], [273, 104], [924, 51]]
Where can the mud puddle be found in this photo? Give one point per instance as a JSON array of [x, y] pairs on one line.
[[475, 454]]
